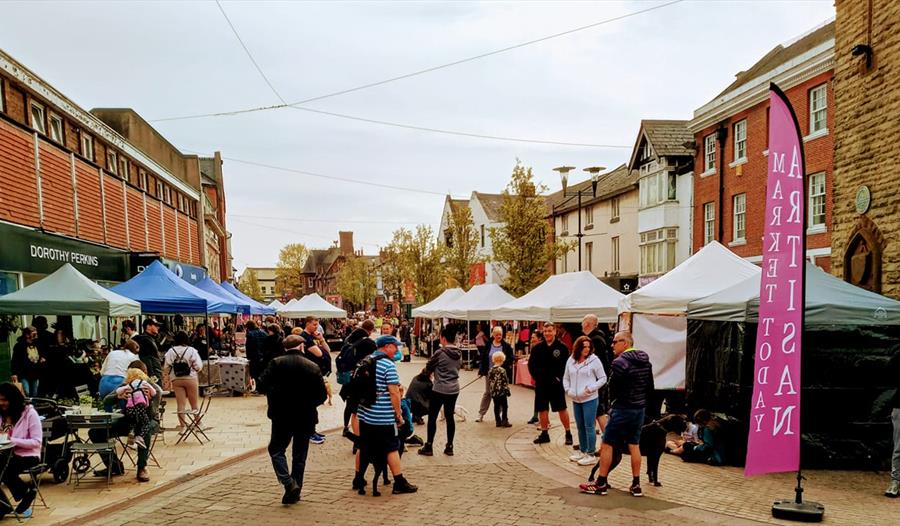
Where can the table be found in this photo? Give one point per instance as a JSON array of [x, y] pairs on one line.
[[521, 376], [6, 451], [234, 374], [467, 352]]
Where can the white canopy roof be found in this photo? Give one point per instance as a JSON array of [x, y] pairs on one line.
[[275, 304], [431, 309], [311, 305], [476, 304], [710, 270], [67, 292], [565, 297]]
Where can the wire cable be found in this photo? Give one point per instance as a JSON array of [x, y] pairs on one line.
[[327, 221], [249, 55], [421, 71]]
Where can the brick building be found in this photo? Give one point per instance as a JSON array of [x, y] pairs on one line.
[[731, 135], [322, 267], [867, 101]]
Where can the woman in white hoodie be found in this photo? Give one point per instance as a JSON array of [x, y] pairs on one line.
[[583, 378]]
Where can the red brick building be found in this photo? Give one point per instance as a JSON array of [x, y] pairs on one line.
[[731, 134]]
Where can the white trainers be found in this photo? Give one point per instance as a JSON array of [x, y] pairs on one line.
[[893, 490], [587, 460], [576, 457]]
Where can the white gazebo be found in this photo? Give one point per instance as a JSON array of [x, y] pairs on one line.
[[564, 298], [476, 304], [433, 307], [311, 305]]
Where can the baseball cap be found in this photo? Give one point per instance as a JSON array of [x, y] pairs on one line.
[[149, 321], [387, 339]]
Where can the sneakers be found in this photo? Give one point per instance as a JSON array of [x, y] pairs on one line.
[[893, 490], [635, 490], [25, 503], [449, 450], [139, 440], [505, 424], [316, 438], [576, 457], [426, 450], [291, 493], [401, 485], [534, 420], [569, 438], [480, 418], [142, 475], [359, 483], [543, 438], [587, 460], [594, 488]]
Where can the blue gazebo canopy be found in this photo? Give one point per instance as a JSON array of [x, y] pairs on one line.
[[210, 286], [255, 306], [160, 291]]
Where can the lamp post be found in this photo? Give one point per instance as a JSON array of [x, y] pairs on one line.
[[564, 177]]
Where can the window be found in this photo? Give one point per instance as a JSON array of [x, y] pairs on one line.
[[123, 164], [658, 250], [589, 216], [565, 224], [817, 199], [613, 209], [589, 256], [168, 194], [482, 236], [309, 283], [739, 230], [646, 152], [740, 140], [657, 188], [2, 102], [112, 162], [87, 147], [56, 128], [614, 252], [142, 179], [159, 190], [673, 187], [38, 118], [709, 152], [709, 222], [818, 108]]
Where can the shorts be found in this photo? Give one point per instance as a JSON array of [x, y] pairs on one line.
[[549, 397], [381, 439], [603, 401], [624, 426]]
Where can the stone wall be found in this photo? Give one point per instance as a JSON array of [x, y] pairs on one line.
[[867, 101]]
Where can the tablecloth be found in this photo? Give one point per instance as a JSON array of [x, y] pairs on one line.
[[234, 374]]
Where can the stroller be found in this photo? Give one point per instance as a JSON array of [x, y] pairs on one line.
[[56, 457]]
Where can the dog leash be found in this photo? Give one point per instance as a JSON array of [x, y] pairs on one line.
[[470, 383]]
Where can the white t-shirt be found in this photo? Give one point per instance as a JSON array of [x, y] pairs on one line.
[[116, 362]]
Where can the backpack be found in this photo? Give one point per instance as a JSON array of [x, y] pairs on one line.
[[346, 362], [180, 366], [362, 382]]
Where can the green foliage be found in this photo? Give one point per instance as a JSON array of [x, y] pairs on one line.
[[356, 281], [523, 246], [462, 250], [288, 271], [249, 285]]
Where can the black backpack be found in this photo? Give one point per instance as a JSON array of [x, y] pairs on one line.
[[346, 359], [362, 384], [180, 366]]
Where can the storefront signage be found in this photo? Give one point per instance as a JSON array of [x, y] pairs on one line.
[[190, 273], [32, 251]]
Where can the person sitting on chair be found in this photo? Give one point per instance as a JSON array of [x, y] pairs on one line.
[[23, 426]]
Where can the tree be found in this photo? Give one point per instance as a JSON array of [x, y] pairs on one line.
[[462, 250], [355, 281], [523, 245], [421, 262], [288, 271], [249, 285], [392, 266]]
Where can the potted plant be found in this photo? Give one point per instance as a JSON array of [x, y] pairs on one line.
[[86, 403]]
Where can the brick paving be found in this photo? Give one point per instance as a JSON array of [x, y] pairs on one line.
[[496, 477]]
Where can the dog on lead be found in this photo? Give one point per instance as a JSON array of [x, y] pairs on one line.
[[653, 445]]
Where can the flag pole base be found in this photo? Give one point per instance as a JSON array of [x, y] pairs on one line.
[[791, 510]]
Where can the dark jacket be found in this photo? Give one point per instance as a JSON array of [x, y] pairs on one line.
[[271, 349], [602, 350], [294, 388], [20, 365], [486, 364], [254, 347], [149, 354], [445, 366], [547, 363], [631, 382], [419, 394]]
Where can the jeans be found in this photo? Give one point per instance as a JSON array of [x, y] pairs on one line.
[[283, 431], [501, 406], [895, 460], [30, 386], [109, 384], [438, 401], [585, 421]]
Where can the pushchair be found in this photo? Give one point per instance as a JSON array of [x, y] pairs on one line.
[[56, 457]]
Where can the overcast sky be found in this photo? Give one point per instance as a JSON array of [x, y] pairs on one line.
[[167, 59]]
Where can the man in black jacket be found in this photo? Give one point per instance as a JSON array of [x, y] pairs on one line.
[[630, 387], [295, 388], [590, 327], [547, 365], [254, 349], [149, 353]]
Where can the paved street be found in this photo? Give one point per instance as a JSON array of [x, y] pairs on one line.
[[496, 477]]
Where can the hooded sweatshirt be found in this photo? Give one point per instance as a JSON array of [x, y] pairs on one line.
[[631, 382], [445, 366], [585, 376]]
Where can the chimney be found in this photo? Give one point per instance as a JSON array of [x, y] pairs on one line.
[[346, 243]]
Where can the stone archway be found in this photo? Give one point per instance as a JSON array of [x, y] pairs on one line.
[[862, 257]]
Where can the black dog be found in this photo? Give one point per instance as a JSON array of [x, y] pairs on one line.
[[378, 459], [653, 444]]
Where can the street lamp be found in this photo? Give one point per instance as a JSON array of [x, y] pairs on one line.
[[564, 177]]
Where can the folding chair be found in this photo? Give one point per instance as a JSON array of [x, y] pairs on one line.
[[194, 426], [36, 472], [82, 451], [82, 390]]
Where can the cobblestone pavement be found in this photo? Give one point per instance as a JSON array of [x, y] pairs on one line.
[[496, 477]]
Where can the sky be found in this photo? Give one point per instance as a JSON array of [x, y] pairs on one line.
[[591, 87]]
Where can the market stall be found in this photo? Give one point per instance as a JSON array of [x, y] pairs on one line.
[[311, 305], [210, 286], [430, 309], [564, 298], [255, 306]]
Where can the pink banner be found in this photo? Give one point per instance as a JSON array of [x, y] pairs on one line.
[[774, 442]]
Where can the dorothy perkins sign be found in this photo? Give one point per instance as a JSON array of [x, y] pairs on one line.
[[27, 250]]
